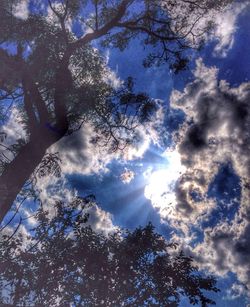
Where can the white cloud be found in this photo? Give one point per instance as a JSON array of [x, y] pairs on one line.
[[79, 154], [54, 20], [226, 27], [11, 132], [237, 290], [100, 220], [16, 230], [14, 127], [127, 176], [52, 189], [219, 129], [215, 133], [224, 23], [21, 10], [112, 75], [160, 189], [225, 249]]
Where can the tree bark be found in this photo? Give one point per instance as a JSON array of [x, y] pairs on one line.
[[19, 170]]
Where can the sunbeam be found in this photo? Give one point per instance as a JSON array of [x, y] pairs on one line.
[[161, 183]]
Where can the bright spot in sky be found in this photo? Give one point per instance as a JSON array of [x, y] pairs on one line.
[[161, 184]]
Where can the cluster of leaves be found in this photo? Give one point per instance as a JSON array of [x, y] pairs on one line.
[[65, 262], [120, 115], [50, 164]]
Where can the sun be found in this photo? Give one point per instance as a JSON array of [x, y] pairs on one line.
[[161, 183]]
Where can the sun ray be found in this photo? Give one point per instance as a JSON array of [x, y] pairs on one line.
[[161, 184]]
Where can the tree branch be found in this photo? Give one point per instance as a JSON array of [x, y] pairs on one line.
[[61, 18], [87, 38], [32, 122], [37, 100]]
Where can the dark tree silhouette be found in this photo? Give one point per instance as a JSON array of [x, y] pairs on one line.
[[56, 79], [65, 262]]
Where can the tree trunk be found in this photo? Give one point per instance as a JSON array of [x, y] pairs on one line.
[[19, 170]]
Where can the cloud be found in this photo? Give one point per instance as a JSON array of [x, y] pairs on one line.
[[14, 129], [226, 249], [54, 20], [160, 189], [216, 129], [236, 291], [16, 230], [11, 133], [226, 27], [111, 76], [79, 154], [224, 23], [21, 9], [127, 176], [216, 132], [100, 220], [52, 189]]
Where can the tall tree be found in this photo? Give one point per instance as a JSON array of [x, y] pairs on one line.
[[56, 79], [64, 262]]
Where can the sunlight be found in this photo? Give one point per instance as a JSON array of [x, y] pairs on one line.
[[161, 183]]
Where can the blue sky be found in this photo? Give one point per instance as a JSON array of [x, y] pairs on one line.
[[192, 160], [127, 202]]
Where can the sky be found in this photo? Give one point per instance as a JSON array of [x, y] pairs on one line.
[[188, 171]]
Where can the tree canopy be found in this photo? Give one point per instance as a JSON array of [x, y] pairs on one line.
[[52, 74], [62, 261]]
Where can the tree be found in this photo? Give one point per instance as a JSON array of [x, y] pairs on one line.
[[66, 262], [56, 79]]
